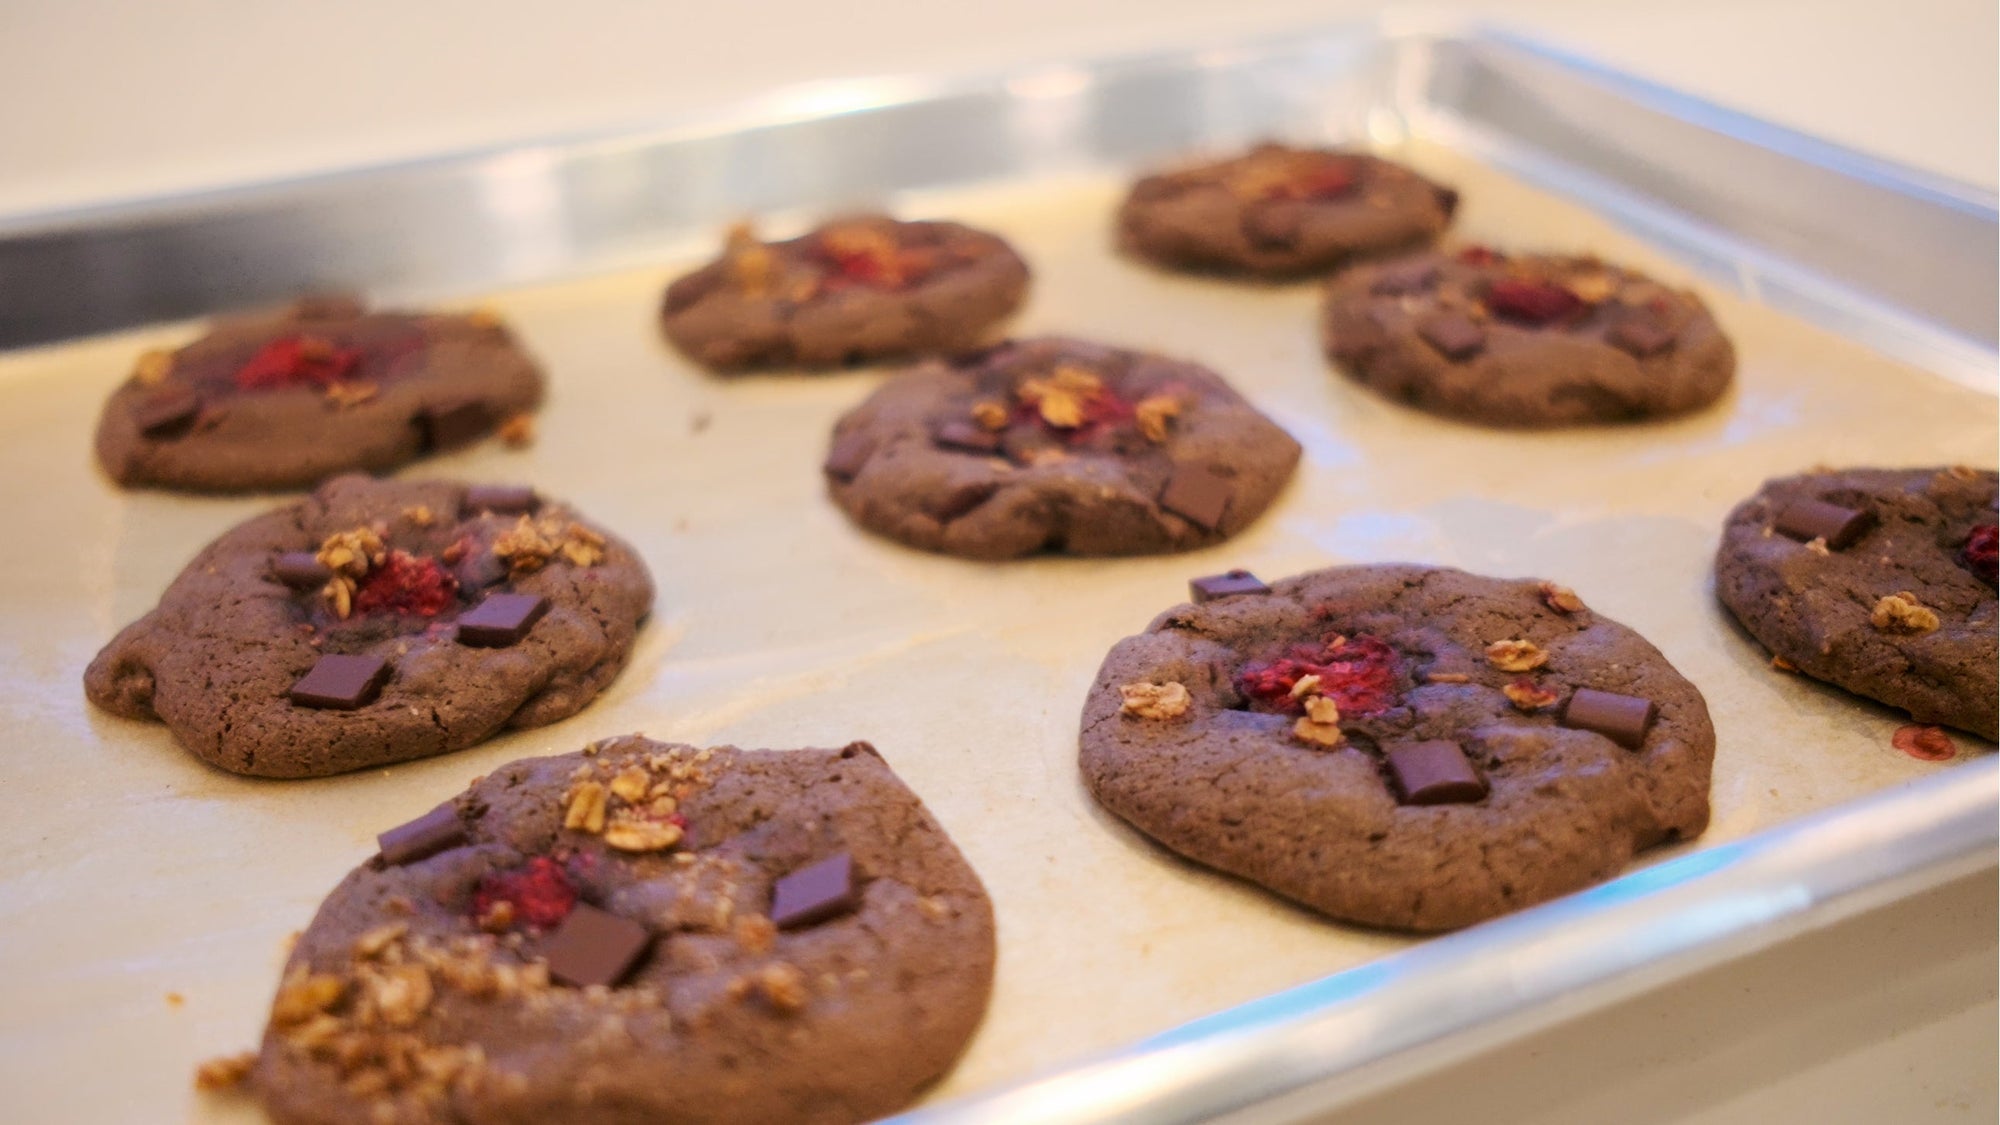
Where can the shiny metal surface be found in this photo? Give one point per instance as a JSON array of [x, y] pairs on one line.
[[1896, 260], [1893, 257], [1323, 1044]]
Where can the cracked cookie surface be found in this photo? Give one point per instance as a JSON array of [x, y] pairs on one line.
[[1058, 445], [437, 984], [1524, 340], [287, 399], [376, 622], [855, 290], [1313, 750], [1901, 609], [1278, 211]]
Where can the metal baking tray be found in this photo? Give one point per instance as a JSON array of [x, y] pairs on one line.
[[1885, 261]]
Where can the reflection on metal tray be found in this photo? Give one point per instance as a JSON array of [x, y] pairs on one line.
[[1766, 212], [1898, 259]]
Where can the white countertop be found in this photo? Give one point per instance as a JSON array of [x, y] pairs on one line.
[[1891, 1017]]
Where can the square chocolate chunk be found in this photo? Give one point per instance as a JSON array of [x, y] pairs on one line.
[[595, 946], [1640, 335], [505, 499], [1198, 494], [1225, 585], [967, 437], [1405, 278], [814, 894], [849, 453], [301, 570], [1453, 334], [501, 620], [168, 412], [341, 683], [1433, 773], [425, 836], [1807, 520], [454, 424], [1623, 719]]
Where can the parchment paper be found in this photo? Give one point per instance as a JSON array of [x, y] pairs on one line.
[[131, 874]]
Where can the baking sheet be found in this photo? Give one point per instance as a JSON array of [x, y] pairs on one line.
[[132, 875]]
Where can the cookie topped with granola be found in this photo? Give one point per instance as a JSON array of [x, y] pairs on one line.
[[641, 931], [1279, 211], [1409, 747], [1878, 580], [1057, 445], [1527, 341], [286, 399], [855, 290], [379, 621]]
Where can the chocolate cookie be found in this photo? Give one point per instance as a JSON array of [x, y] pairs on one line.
[[1281, 212], [1402, 746], [1057, 445], [1878, 580], [379, 621], [285, 400], [640, 932], [854, 290], [1527, 341]]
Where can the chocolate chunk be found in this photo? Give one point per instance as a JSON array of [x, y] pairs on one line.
[[962, 435], [813, 894], [1453, 334], [1225, 585], [301, 570], [479, 569], [1640, 335], [427, 835], [501, 620], [1199, 494], [1623, 719], [506, 499], [454, 424], [1433, 773], [595, 946], [168, 412], [1405, 279], [341, 683], [1806, 520], [849, 453]]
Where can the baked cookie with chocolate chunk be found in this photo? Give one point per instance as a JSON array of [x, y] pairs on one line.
[[855, 290], [287, 399], [640, 932], [1280, 212], [1877, 580], [1525, 340], [376, 622], [1409, 747], [1055, 444]]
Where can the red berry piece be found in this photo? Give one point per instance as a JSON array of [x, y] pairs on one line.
[[291, 361], [1532, 302], [539, 892], [1981, 553], [1360, 674], [1480, 256], [407, 583]]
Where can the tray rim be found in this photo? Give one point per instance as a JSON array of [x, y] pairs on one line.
[[1153, 1080]]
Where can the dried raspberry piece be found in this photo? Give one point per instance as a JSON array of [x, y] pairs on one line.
[[291, 361], [1533, 302], [1360, 674], [406, 583], [1981, 553], [1924, 743], [539, 893], [1099, 411], [1480, 256], [872, 259], [1329, 179]]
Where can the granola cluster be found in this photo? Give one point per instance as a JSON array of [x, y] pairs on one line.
[[533, 542], [634, 803]]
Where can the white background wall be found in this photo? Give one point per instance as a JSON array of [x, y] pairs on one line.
[[111, 98]]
